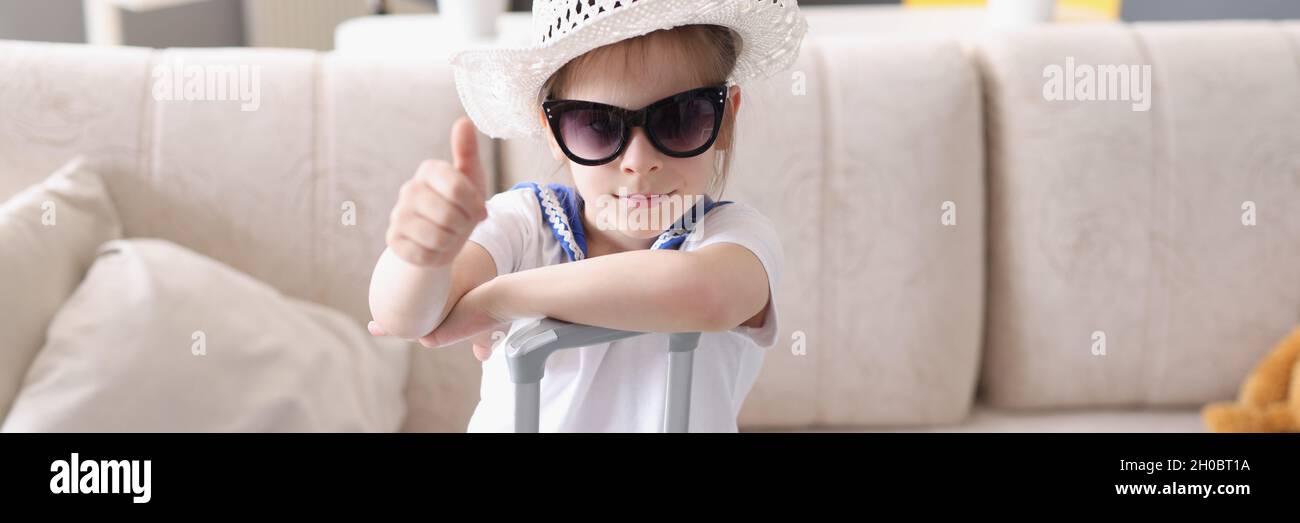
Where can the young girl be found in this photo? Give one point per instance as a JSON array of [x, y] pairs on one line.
[[640, 98]]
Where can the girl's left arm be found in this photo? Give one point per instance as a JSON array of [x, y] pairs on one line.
[[715, 288]]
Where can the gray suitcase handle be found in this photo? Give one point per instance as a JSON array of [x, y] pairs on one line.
[[528, 348]]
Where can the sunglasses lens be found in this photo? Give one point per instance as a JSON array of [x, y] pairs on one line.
[[684, 126], [591, 134]]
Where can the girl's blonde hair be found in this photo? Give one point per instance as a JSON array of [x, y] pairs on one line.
[[709, 51]]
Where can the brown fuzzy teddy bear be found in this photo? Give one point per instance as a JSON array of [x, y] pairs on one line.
[[1270, 398]]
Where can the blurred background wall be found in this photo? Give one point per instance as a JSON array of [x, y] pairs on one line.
[[210, 23], [218, 23]]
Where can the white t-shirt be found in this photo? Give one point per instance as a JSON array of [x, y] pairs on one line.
[[621, 386]]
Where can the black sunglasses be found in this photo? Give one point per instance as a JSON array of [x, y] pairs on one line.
[[681, 126]]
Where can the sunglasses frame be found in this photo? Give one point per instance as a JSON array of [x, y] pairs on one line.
[[715, 94]]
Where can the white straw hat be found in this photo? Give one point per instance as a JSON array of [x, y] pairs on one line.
[[499, 86]]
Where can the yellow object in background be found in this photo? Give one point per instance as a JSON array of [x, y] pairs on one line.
[[1087, 10], [1066, 10]]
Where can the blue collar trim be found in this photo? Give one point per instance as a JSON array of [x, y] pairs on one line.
[[561, 208]]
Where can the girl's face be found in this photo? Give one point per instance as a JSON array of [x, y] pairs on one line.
[[641, 169]]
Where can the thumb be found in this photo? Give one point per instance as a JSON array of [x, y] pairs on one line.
[[464, 153], [485, 341]]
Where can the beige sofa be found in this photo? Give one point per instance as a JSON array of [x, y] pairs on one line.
[[1071, 218]]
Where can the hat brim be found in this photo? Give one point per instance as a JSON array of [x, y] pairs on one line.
[[499, 87]]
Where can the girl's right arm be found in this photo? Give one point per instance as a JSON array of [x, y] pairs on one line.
[[428, 266]]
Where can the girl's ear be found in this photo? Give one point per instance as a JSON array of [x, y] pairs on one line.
[[556, 152], [729, 117]]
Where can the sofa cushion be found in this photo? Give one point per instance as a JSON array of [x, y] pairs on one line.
[[159, 338], [1125, 227], [902, 239], [49, 232], [378, 120]]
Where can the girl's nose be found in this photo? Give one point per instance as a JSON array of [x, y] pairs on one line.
[[640, 156]]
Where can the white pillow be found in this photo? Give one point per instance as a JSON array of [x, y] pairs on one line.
[[48, 236], [159, 338]]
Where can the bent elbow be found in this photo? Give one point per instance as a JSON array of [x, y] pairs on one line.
[[396, 320], [709, 306], [398, 325]]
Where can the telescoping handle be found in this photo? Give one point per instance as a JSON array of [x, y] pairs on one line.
[[528, 348]]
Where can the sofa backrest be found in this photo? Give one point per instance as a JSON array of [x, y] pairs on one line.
[[857, 196], [1125, 227]]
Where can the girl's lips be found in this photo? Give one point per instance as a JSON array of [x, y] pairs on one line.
[[643, 199]]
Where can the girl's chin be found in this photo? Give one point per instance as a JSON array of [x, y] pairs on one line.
[[641, 234]]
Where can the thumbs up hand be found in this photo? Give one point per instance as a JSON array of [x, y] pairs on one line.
[[438, 208]]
